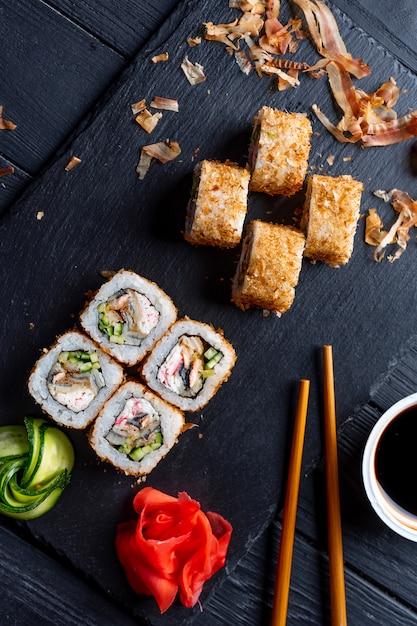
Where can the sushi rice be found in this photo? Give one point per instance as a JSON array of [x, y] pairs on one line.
[[127, 316], [189, 364], [135, 424], [73, 380]]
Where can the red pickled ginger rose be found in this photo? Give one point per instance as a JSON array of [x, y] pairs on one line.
[[173, 547]]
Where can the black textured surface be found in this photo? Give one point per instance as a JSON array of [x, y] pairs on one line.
[[100, 216]]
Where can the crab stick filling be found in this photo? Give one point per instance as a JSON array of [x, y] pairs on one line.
[[187, 366], [127, 317], [75, 379]]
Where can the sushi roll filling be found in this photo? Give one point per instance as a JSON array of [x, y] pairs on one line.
[[187, 366], [128, 317], [245, 259], [192, 205], [75, 379], [137, 430], [254, 144]]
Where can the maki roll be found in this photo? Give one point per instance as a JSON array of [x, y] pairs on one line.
[[217, 209], [330, 217], [189, 364], [279, 151], [135, 429], [73, 380], [127, 316], [269, 267]]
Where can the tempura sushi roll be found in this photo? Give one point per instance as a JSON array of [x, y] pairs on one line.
[[73, 380], [188, 365], [135, 429], [330, 217], [218, 205], [269, 267], [127, 316], [279, 151]]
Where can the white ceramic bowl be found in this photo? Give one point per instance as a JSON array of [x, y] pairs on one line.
[[394, 516]]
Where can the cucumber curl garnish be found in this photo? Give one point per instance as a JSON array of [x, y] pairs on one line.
[[36, 460]]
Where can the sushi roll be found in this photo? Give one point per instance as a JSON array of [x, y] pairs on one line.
[[269, 267], [330, 217], [135, 429], [127, 316], [73, 380], [218, 205], [188, 365], [279, 151]]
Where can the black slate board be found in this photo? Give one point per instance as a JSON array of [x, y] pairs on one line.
[[100, 216]]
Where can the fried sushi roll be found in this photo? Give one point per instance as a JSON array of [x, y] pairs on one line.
[[135, 429], [279, 151], [269, 267], [73, 380], [218, 205], [127, 316], [330, 216], [189, 364]]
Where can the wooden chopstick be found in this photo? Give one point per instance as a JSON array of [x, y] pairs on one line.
[[283, 574], [336, 567]]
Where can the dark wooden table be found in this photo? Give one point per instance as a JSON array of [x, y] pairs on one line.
[[65, 68]]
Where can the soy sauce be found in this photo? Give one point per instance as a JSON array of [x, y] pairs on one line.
[[396, 460]]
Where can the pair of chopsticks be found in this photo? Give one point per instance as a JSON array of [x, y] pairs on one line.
[[336, 568]]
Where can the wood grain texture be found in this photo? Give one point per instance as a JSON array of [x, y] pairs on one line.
[[379, 566], [58, 59], [245, 599], [100, 216], [12, 184], [123, 26], [393, 29], [52, 72], [36, 589], [369, 546]]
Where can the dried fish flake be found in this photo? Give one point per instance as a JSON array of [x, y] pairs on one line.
[[166, 104], [6, 171], [5, 124], [164, 56], [147, 121], [194, 41], [137, 107], [243, 61], [193, 71], [406, 208], [373, 228], [74, 160], [163, 152]]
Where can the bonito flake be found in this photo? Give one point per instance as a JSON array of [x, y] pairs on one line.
[[193, 71], [162, 152], [398, 234]]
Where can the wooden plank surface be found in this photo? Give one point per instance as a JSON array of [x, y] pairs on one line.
[[245, 599], [37, 589], [379, 566], [57, 62], [370, 548], [124, 26], [53, 190], [58, 67], [12, 184]]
